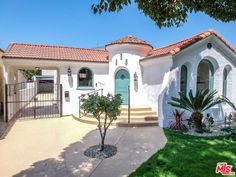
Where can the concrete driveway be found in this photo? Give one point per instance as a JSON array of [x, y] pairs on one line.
[[54, 148]]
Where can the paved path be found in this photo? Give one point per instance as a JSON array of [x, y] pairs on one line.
[[54, 148]]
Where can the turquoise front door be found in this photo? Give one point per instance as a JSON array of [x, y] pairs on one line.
[[122, 81]]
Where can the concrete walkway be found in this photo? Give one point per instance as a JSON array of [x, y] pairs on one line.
[[54, 148]]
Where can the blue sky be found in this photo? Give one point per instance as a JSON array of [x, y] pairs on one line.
[[72, 23]]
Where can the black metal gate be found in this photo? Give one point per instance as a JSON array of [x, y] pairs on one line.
[[27, 101]]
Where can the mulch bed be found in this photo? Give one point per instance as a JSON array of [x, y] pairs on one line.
[[94, 151]]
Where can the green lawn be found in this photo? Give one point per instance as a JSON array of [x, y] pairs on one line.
[[188, 156]]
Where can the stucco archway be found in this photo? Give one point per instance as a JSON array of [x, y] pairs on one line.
[[205, 75]]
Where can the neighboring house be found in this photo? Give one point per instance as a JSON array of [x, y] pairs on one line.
[[153, 75], [45, 80], [1, 83]]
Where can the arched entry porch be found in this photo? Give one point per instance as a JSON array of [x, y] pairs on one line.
[[38, 97], [205, 75]]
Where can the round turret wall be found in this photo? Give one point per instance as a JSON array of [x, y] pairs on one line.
[[134, 49]]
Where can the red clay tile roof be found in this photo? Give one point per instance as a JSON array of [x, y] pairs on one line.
[[47, 52], [179, 46], [129, 40]]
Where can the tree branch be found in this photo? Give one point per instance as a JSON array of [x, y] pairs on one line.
[[170, 13]]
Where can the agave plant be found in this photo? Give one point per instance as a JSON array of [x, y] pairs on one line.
[[198, 103]]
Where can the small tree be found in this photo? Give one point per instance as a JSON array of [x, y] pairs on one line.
[[103, 105], [29, 74]]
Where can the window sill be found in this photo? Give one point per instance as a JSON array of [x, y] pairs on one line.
[[85, 88]]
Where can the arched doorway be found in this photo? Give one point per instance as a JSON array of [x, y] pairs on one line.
[[205, 75], [122, 82]]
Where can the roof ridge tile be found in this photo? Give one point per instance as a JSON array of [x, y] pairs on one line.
[[129, 40], [49, 52], [56, 46], [179, 46]]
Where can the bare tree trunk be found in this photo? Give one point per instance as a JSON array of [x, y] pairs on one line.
[[99, 125], [103, 139], [104, 133], [102, 143]]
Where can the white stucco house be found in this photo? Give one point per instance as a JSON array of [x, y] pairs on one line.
[[205, 60]]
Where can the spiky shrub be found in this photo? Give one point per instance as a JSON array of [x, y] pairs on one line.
[[178, 124], [108, 106], [208, 123], [198, 103], [229, 119]]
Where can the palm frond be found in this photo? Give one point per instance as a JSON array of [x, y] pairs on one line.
[[201, 101]]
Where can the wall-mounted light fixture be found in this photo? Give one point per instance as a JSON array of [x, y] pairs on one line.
[[135, 82], [135, 77], [69, 71]]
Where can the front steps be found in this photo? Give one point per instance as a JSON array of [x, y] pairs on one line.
[[139, 117]]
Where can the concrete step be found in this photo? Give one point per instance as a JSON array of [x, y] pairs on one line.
[[132, 117], [138, 108], [121, 122], [117, 123], [143, 118], [138, 113], [140, 116], [137, 124]]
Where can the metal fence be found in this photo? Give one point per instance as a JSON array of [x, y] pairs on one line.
[[26, 101]]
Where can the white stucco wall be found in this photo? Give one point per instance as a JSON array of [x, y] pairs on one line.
[[191, 57], [133, 54], [69, 83], [48, 72], [154, 72], [21, 78]]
